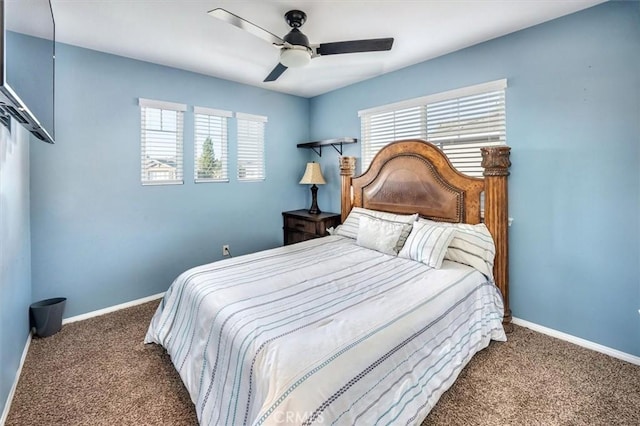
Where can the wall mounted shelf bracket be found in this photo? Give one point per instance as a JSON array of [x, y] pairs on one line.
[[335, 143]]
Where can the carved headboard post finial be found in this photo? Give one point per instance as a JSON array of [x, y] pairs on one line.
[[496, 163], [347, 170]]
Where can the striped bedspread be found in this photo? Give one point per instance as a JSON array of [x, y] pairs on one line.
[[323, 332]]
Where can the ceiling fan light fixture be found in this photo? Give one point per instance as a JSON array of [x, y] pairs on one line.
[[295, 56]]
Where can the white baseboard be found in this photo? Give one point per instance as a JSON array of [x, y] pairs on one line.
[[578, 341], [7, 405], [112, 308]]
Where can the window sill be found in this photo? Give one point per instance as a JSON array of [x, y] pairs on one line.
[[211, 180], [162, 182]]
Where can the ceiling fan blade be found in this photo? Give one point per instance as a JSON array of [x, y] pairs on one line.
[[243, 24], [355, 46], [275, 73]]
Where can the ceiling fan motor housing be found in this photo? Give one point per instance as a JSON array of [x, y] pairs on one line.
[[296, 38], [299, 53]]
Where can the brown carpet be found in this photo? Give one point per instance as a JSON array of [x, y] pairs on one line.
[[98, 372]]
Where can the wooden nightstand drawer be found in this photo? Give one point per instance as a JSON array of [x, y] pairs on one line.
[[297, 224], [300, 225]]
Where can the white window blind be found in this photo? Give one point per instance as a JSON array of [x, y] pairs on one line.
[[380, 129], [211, 145], [161, 142], [460, 122], [251, 163]]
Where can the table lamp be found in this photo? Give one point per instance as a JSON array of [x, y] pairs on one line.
[[313, 176]]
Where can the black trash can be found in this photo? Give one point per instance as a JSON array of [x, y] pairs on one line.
[[46, 316]]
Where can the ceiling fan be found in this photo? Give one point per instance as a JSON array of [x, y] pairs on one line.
[[295, 50]]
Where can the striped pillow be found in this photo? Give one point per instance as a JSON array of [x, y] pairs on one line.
[[471, 245], [427, 243], [351, 225]]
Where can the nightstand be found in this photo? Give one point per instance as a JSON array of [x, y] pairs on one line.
[[300, 225]]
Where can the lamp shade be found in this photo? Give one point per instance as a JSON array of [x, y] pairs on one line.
[[313, 175]]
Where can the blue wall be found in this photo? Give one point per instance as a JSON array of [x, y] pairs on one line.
[[101, 238], [573, 122], [15, 253]]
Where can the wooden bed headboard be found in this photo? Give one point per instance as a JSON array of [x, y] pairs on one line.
[[414, 176]]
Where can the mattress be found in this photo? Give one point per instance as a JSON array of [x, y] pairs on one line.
[[323, 332]]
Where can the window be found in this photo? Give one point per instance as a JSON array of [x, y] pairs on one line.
[[211, 145], [382, 128], [250, 147], [161, 142], [460, 122]]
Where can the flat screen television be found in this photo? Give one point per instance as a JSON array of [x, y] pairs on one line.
[[28, 72]]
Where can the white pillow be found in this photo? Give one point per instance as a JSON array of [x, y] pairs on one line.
[[471, 245], [380, 235], [427, 243], [351, 224]]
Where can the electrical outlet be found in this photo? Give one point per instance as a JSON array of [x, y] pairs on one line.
[[225, 250]]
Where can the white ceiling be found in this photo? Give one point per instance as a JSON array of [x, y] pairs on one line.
[[180, 33]]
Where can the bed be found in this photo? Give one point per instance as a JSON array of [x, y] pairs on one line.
[[330, 332]]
